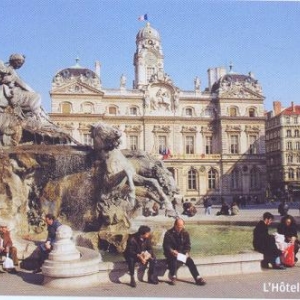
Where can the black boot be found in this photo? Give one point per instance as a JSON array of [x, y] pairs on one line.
[[132, 281], [152, 279]]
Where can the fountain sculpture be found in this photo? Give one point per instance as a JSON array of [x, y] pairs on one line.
[[44, 170]]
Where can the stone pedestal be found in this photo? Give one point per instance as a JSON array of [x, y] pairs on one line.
[[69, 266]]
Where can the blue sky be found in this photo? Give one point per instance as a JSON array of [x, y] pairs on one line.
[[257, 36]]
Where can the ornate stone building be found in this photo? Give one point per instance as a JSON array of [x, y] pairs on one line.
[[283, 150], [211, 139]]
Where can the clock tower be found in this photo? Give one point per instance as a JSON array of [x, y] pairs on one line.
[[148, 58]]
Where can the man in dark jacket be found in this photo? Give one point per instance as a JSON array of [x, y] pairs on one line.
[[46, 247], [176, 247], [139, 249], [264, 243]]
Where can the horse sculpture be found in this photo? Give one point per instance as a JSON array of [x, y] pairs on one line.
[[139, 170]]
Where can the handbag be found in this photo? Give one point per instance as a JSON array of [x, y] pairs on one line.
[[8, 263], [288, 257]]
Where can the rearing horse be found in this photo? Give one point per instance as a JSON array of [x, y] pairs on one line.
[[119, 169]]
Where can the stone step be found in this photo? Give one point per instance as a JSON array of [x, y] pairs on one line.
[[244, 263]]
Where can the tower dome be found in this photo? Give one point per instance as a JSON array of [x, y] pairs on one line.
[[148, 32], [76, 72]]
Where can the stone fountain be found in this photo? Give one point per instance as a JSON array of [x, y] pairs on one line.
[[96, 191]]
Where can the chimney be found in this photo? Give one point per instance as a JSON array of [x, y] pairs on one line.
[[277, 107], [98, 68], [293, 107], [214, 74]]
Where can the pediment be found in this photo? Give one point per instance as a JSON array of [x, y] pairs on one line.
[[241, 93], [76, 87]]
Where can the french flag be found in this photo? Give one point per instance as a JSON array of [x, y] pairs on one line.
[[143, 17]]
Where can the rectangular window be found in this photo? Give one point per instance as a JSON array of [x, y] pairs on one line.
[[87, 139], [234, 144], [208, 145], [252, 144], [289, 146], [162, 144], [192, 180], [150, 72], [189, 145], [133, 142]]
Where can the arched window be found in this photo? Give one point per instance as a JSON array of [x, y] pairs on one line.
[[298, 173], [212, 179], [133, 111], [87, 108], [235, 179], [255, 178], [66, 108], [192, 179], [189, 112], [296, 133], [291, 173], [112, 110], [232, 112], [251, 112]]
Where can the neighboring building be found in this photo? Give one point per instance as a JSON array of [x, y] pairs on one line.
[[212, 140], [283, 150]]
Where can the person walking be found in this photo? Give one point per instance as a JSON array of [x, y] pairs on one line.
[[176, 247], [46, 247], [207, 203], [139, 249], [264, 243]]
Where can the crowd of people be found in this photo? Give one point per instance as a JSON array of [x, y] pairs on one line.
[[279, 249]]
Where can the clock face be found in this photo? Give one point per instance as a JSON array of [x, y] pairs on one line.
[[151, 59]]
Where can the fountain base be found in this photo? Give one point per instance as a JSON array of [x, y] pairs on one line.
[[69, 266]]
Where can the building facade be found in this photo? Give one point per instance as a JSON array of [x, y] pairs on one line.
[[283, 151], [211, 139]]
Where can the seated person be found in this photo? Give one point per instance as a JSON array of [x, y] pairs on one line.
[[224, 209], [288, 228], [264, 243], [189, 209], [139, 249], [234, 209], [6, 244]]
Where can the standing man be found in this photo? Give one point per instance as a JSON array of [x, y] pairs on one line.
[[139, 249], [6, 244], [207, 203], [176, 247], [264, 243], [46, 247]]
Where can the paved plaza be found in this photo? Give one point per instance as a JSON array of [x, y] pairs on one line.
[[272, 284]]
